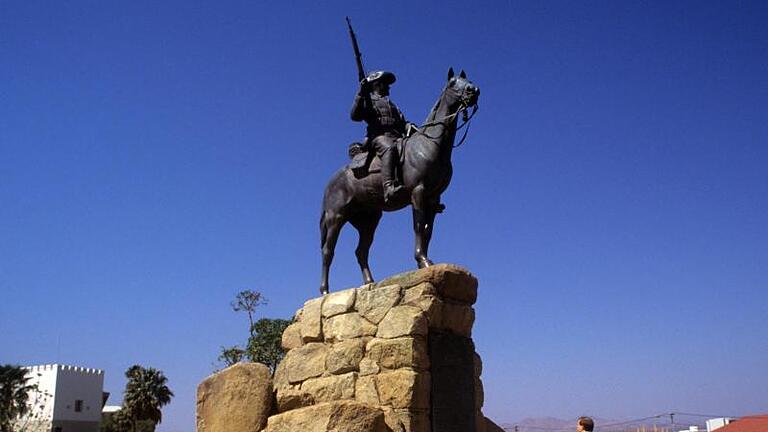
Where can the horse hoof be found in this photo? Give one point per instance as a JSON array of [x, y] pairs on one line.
[[323, 291], [425, 262]]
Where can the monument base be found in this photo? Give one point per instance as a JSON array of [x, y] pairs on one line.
[[395, 356]]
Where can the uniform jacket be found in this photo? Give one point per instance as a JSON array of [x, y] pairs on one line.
[[380, 113]]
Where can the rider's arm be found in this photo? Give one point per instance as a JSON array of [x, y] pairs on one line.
[[362, 104]]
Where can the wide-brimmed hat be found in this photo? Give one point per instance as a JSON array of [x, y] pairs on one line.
[[385, 76]]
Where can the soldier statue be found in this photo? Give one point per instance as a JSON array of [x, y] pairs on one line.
[[354, 193], [386, 124]]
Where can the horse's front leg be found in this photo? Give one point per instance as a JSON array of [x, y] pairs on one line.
[[421, 220], [433, 207]]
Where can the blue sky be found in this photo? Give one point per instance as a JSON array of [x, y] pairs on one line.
[[156, 158]]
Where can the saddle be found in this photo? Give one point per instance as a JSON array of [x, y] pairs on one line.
[[364, 160]]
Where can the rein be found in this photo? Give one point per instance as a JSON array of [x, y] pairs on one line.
[[450, 117]]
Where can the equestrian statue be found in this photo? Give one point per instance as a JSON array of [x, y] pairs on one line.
[[397, 164]]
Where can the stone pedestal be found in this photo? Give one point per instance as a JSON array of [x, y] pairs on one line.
[[401, 347], [237, 399]]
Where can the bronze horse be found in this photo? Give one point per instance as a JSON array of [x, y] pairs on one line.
[[425, 172]]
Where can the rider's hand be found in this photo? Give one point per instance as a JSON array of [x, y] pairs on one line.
[[365, 86]]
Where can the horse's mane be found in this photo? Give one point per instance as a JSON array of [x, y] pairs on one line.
[[433, 113]]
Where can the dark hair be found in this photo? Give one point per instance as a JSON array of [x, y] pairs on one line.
[[587, 423]]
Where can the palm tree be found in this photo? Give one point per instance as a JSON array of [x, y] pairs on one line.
[[145, 394], [14, 394]]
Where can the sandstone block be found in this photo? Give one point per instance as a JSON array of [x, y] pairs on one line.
[[339, 302], [347, 326], [424, 297], [332, 388], [451, 281], [458, 318], [491, 426], [345, 356], [330, 417], [365, 390], [413, 421], [311, 320], [373, 302], [307, 361], [478, 365], [479, 422], [403, 321], [479, 394], [239, 398], [292, 337], [404, 389], [289, 398], [280, 378], [398, 353], [368, 367]]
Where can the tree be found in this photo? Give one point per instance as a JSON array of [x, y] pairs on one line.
[[146, 392], [264, 336], [264, 345], [120, 422], [232, 355], [247, 301], [14, 395]]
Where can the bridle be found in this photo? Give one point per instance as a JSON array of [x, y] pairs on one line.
[[463, 109]]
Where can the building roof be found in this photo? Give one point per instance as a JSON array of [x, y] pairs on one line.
[[46, 367], [756, 423]]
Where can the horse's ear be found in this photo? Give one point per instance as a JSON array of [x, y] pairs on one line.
[[450, 73], [463, 74]]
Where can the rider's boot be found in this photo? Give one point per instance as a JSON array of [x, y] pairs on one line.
[[387, 175]]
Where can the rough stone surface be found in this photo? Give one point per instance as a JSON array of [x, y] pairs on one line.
[[424, 297], [280, 379], [398, 353], [368, 367], [330, 417], [452, 281], [339, 302], [292, 337], [452, 367], [458, 318], [413, 421], [478, 365], [404, 389], [491, 426], [365, 390], [403, 321], [239, 398], [373, 302], [307, 361], [347, 326], [289, 398], [479, 393], [327, 389], [345, 356], [311, 320]]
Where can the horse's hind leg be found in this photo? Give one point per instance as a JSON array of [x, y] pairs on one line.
[[330, 227], [366, 224]]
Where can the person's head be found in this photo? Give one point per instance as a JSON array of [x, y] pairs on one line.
[[585, 424], [380, 87], [380, 81]]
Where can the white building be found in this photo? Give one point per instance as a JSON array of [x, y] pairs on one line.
[[69, 399], [717, 423]]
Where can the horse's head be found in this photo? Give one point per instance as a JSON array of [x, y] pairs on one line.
[[460, 92]]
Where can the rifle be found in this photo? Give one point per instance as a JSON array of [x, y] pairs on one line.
[[358, 56]]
